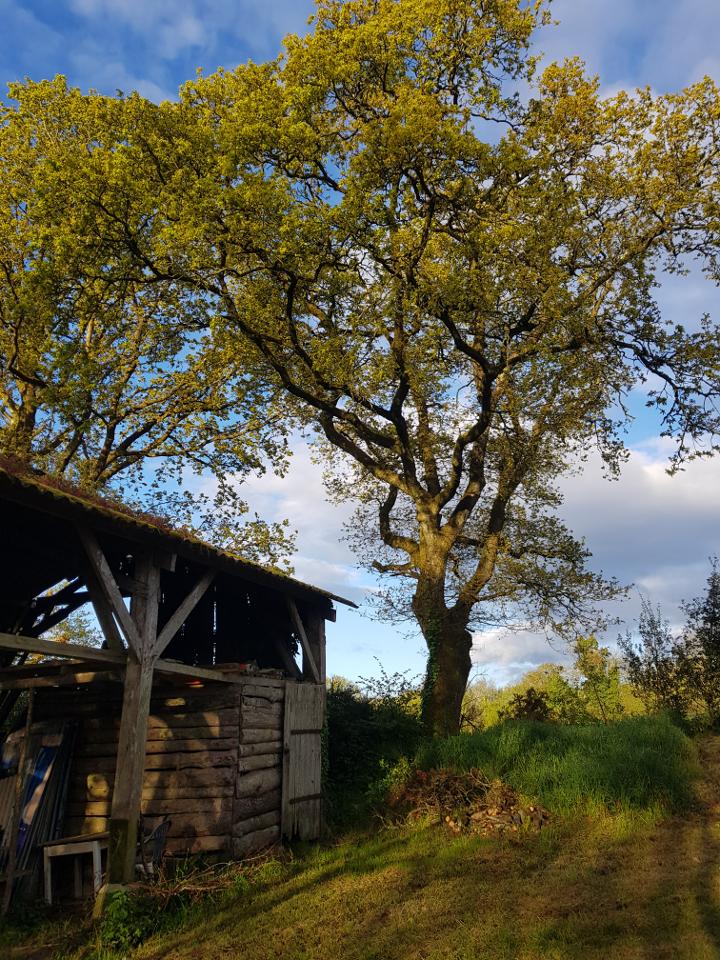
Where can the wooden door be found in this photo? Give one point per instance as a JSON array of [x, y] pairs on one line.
[[302, 759]]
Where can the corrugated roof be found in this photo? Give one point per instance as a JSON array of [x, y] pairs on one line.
[[58, 497]]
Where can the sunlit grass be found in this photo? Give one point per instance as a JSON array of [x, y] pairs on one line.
[[643, 764]]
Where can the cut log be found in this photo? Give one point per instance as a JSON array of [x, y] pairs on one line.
[[262, 719], [107, 731], [100, 788], [261, 703], [246, 807], [200, 824], [260, 781], [274, 694], [258, 736], [167, 745], [253, 842], [181, 846], [261, 762], [244, 827], [253, 749]]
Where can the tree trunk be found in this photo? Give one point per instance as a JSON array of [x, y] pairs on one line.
[[448, 666]]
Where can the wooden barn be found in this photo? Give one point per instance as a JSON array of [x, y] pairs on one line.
[[202, 709]]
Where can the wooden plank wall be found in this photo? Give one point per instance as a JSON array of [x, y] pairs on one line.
[[213, 763]]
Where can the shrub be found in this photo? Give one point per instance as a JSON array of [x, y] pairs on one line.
[[368, 731]]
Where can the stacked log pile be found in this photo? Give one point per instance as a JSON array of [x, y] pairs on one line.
[[213, 763], [257, 806]]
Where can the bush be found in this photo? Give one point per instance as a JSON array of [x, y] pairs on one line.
[[640, 763], [368, 732]]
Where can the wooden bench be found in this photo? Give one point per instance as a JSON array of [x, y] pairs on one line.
[[93, 843]]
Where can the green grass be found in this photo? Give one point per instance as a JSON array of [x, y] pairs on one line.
[[615, 874], [640, 764]]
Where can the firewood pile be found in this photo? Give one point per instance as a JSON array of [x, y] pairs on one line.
[[467, 802]]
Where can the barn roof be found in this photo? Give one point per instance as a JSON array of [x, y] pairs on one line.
[[19, 484]]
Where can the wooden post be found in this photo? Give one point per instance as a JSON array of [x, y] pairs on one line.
[[127, 792], [315, 630]]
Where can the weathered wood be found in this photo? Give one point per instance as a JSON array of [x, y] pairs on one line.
[[287, 660], [258, 736], [183, 611], [308, 657], [99, 787], [315, 629], [262, 720], [254, 842], [51, 648], [200, 673], [108, 586], [203, 733], [130, 762], [245, 807], [263, 762], [179, 846], [102, 609], [275, 694], [203, 777], [72, 678], [197, 824], [254, 749], [260, 781], [260, 822], [302, 760], [262, 703], [197, 700], [195, 726], [163, 761], [129, 781], [156, 807], [168, 745]]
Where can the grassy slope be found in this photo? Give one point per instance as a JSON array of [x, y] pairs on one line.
[[617, 887], [593, 885]]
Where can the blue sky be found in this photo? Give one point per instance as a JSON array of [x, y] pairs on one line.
[[646, 528]]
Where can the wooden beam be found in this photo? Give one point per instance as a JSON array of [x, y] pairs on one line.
[[102, 609], [200, 673], [108, 586], [315, 629], [300, 629], [51, 648], [62, 679], [183, 612], [137, 689]]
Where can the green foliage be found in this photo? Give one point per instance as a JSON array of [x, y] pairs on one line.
[[699, 649], [679, 673], [368, 731], [331, 240], [653, 664], [532, 704], [599, 687], [128, 920], [638, 763]]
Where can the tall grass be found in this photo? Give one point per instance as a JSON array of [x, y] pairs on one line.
[[639, 764]]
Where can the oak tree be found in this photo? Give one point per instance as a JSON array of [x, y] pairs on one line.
[[446, 261]]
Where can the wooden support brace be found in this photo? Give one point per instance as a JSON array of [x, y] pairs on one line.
[[109, 587], [183, 612], [103, 611], [300, 629], [51, 648]]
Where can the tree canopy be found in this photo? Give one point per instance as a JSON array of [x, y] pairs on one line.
[[443, 261]]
